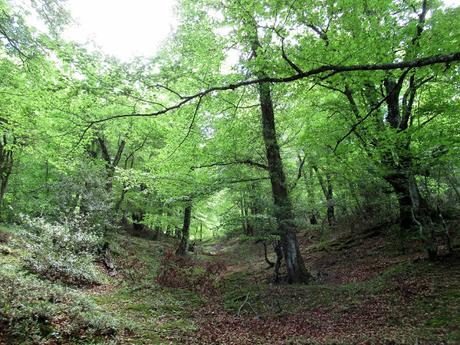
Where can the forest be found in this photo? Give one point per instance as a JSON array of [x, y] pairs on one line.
[[279, 172]]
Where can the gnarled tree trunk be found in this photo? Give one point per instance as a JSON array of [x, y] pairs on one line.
[[295, 266]]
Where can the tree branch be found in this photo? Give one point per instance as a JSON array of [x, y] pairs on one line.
[[117, 157], [133, 152], [189, 128], [361, 120], [331, 69], [170, 90], [242, 161], [321, 33], [104, 150], [299, 171]]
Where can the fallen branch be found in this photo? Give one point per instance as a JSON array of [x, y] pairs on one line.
[[246, 301]]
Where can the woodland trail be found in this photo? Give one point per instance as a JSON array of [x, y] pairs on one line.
[[365, 292], [228, 298]]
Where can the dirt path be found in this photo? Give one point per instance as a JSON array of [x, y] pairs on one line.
[[367, 295], [381, 297]]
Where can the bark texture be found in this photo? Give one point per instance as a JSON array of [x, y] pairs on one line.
[[6, 166], [295, 266], [185, 233]]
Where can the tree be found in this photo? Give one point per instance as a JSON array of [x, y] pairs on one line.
[[367, 97], [185, 233]]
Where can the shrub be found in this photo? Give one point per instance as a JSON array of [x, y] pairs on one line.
[[61, 252], [33, 311], [80, 188]]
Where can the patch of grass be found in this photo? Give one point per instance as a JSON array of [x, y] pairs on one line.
[[441, 315], [10, 229], [235, 288], [269, 300], [154, 314], [242, 294]]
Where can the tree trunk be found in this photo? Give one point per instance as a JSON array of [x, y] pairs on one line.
[[138, 217], [328, 191], [401, 177], [6, 167], [313, 213], [295, 266], [183, 245], [296, 271], [121, 199], [411, 203], [400, 185], [254, 210], [330, 201], [244, 215], [110, 163]]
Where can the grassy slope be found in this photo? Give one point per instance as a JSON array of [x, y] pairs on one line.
[[157, 314], [365, 293], [137, 309]]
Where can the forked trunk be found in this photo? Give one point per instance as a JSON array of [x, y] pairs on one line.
[[296, 271], [400, 184], [413, 208]]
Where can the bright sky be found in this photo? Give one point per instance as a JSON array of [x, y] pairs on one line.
[[122, 28], [129, 28]]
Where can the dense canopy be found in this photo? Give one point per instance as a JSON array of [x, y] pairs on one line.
[[267, 121]]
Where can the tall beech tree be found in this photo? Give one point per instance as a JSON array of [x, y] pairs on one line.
[[366, 92], [296, 271], [283, 55]]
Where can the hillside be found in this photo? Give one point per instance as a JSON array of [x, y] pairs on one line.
[[230, 172], [364, 293]]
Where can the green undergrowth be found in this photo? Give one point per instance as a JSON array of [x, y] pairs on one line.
[[158, 315], [130, 308], [35, 310], [61, 252], [137, 306], [236, 286], [442, 315], [265, 299]]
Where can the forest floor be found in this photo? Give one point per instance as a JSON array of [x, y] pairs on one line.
[[364, 291]]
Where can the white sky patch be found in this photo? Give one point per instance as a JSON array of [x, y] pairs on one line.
[[232, 57], [451, 3], [125, 29], [130, 28]]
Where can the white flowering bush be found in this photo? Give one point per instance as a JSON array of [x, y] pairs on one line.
[[35, 311], [61, 252]]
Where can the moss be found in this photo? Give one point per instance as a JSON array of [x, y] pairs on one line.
[[154, 314], [443, 314]]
